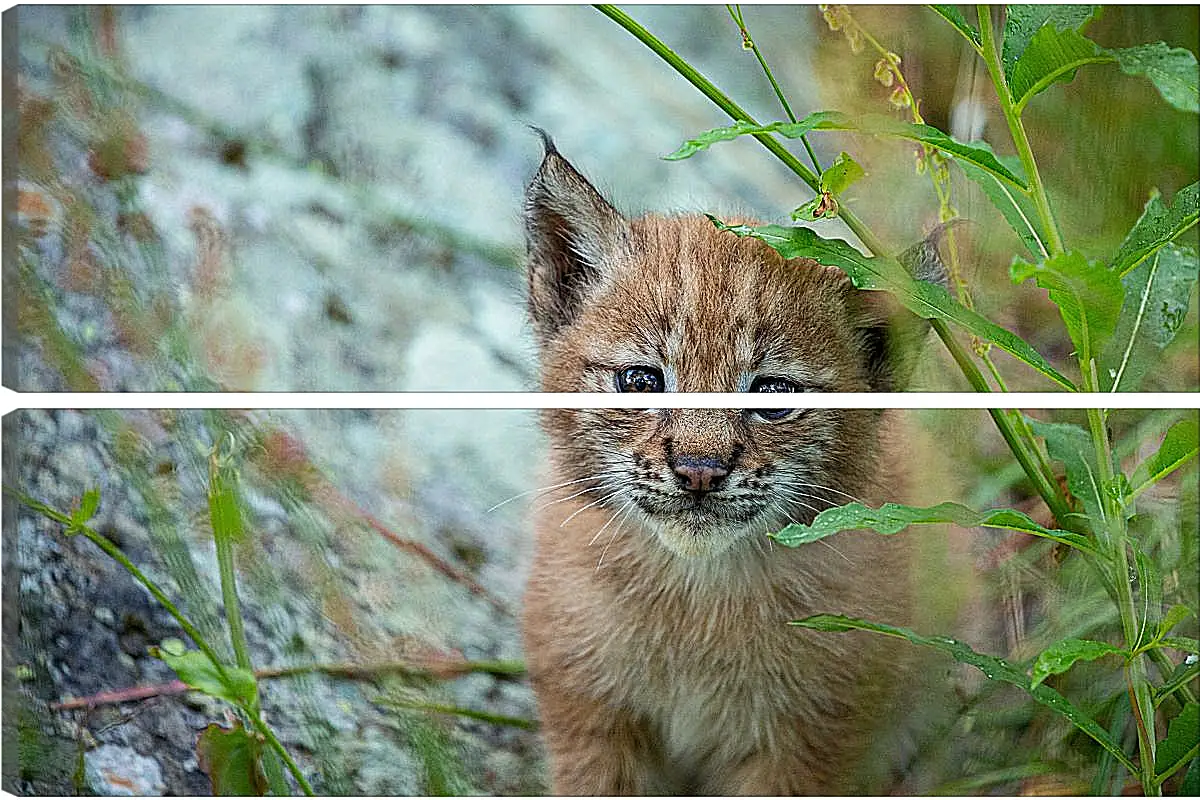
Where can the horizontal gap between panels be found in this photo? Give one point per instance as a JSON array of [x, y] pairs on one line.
[[12, 401]]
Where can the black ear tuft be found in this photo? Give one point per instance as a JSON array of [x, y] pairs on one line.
[[572, 234]]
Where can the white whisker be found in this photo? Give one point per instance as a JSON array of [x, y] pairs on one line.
[[592, 504], [829, 489], [620, 526], [544, 489], [821, 541], [610, 522]]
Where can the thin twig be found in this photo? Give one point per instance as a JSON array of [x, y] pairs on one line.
[[448, 669]]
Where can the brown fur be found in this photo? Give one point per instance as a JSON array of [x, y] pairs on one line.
[[655, 622]]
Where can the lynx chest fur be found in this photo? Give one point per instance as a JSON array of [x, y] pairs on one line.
[[656, 610]]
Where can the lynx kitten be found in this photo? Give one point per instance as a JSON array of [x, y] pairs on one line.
[[656, 611]]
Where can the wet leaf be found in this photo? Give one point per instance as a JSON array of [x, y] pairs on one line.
[[1052, 56], [996, 669], [871, 124], [1072, 445], [1158, 225], [1061, 656], [820, 120], [892, 518], [925, 299], [1023, 22], [1172, 70], [1183, 734], [1178, 447], [231, 758], [1088, 296], [1157, 294], [1015, 206]]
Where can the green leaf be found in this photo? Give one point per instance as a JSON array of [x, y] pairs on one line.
[[1178, 447], [1185, 643], [1183, 674], [1175, 615], [1052, 56], [1191, 782], [892, 518], [1158, 225], [981, 157], [1088, 297], [925, 299], [1072, 445], [996, 669], [840, 174], [872, 124], [231, 757], [820, 120], [1157, 294], [1016, 207], [952, 15], [87, 507], [173, 646], [198, 671], [1149, 597], [813, 210], [225, 512], [1061, 656], [1183, 734], [1172, 70], [272, 766], [1024, 21]]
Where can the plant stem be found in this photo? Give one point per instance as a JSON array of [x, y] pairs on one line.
[[116, 554], [1116, 536], [710, 91], [227, 528], [1037, 190], [450, 669], [748, 41], [469, 713], [1018, 437], [269, 735]]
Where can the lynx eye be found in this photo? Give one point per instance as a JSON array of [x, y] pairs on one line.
[[771, 384], [640, 379]]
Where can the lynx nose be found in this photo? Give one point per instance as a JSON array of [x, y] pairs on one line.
[[700, 474]]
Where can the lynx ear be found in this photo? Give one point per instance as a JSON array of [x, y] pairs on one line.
[[891, 336], [572, 233]]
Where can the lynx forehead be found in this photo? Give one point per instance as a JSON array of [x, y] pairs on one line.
[[659, 656], [707, 309]]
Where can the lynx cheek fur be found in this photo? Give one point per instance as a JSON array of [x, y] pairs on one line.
[[656, 610]]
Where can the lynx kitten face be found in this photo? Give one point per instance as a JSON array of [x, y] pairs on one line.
[[661, 657], [672, 304]]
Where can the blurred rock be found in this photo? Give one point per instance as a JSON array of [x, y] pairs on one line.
[[122, 772]]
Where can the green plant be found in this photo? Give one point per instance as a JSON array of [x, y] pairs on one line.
[[245, 756], [1119, 313], [236, 759]]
